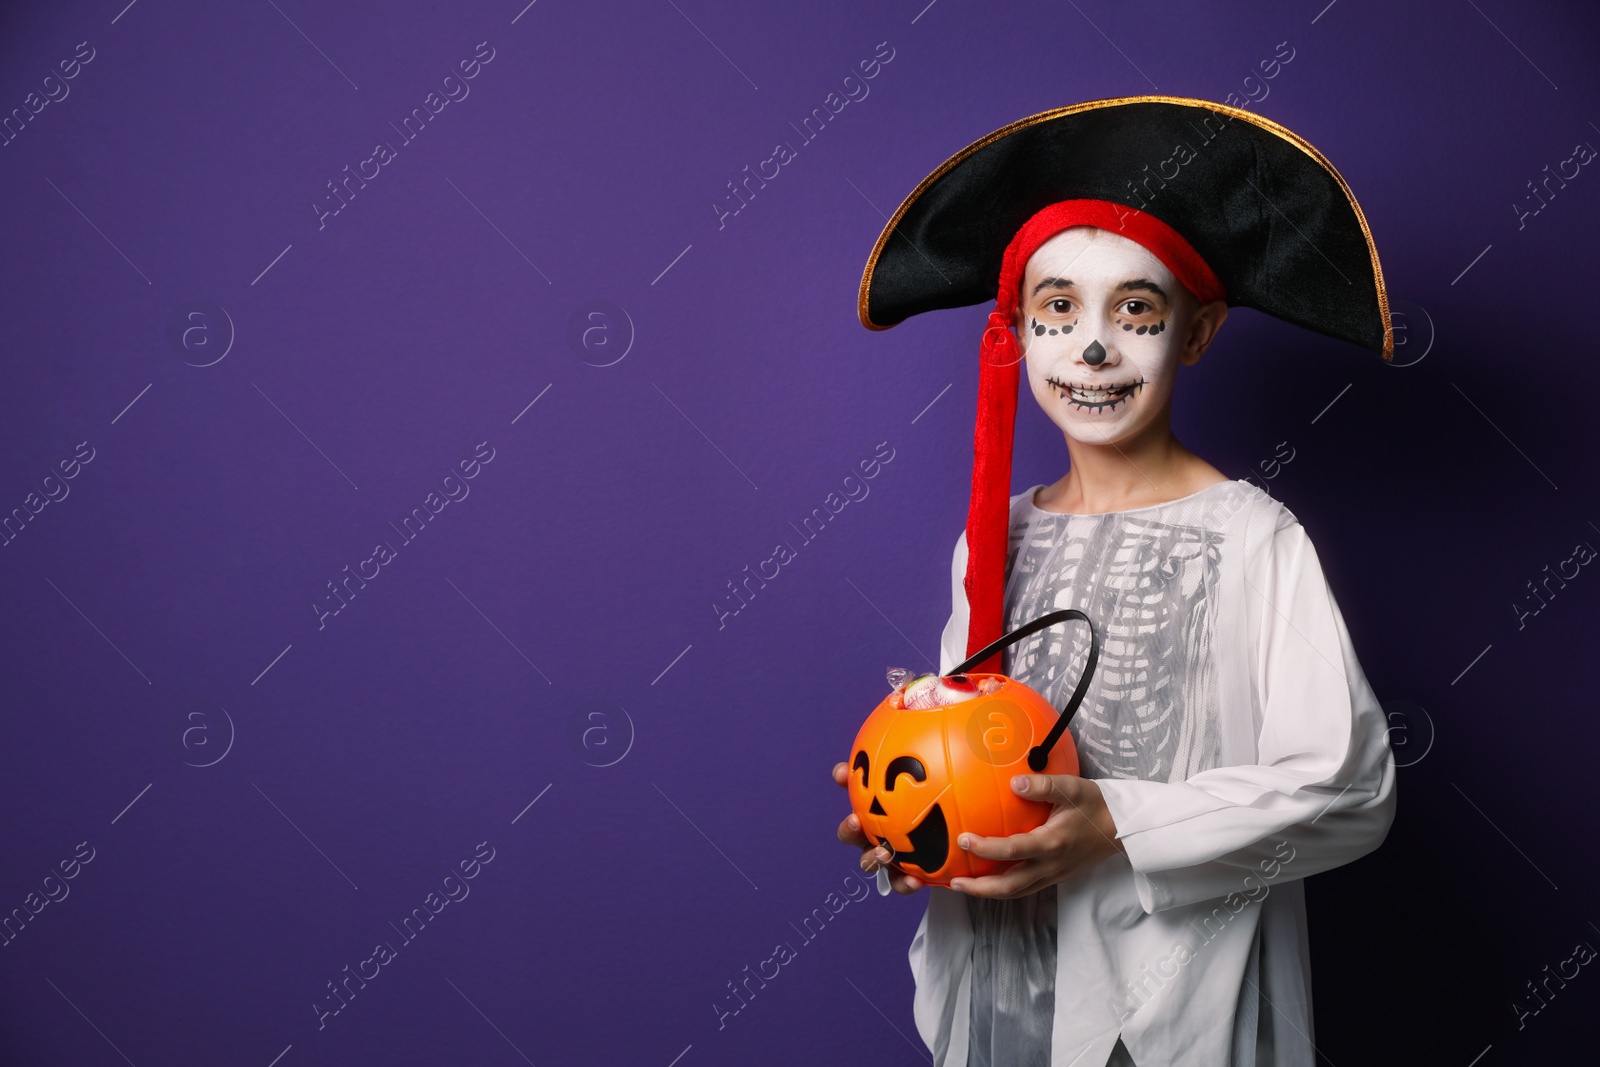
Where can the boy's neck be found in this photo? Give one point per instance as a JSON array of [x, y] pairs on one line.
[[1132, 474]]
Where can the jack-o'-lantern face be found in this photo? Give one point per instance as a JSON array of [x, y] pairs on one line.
[[930, 837], [919, 778]]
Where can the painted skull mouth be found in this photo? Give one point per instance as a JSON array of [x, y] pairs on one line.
[[930, 842], [1095, 397]]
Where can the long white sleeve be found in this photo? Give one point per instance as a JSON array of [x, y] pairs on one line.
[[942, 946], [953, 644], [1324, 776]]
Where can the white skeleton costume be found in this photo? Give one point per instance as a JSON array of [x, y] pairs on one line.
[[1239, 749]]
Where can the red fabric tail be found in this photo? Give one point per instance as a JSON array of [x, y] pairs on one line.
[[987, 525]]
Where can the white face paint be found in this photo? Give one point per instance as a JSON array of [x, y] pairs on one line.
[[1102, 324]]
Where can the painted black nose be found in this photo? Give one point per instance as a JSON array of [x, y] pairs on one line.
[[876, 809], [1095, 354]]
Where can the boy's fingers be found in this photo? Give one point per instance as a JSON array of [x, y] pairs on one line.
[[1038, 786], [850, 832], [873, 857], [904, 883], [1006, 884], [1017, 846], [841, 773]]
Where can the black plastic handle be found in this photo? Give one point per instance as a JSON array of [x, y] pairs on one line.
[[1040, 753]]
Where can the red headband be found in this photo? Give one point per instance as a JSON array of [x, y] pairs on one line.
[[988, 516]]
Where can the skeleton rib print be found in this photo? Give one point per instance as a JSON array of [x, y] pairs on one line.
[[1150, 587]]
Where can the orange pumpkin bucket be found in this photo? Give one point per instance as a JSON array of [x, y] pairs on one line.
[[936, 758]]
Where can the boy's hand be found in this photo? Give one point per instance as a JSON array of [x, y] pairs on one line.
[[1078, 834], [871, 857]]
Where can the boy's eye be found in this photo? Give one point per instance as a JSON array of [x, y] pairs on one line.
[[1136, 307], [1060, 305]]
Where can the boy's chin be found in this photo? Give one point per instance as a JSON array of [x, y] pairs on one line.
[[1108, 429]]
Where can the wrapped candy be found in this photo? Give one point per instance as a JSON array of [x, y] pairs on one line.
[[923, 691]]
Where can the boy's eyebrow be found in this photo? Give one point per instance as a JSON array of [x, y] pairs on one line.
[[1144, 284], [1134, 285]]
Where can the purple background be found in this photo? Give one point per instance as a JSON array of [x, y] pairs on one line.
[[562, 615]]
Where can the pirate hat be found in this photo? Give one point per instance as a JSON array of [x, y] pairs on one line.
[[1236, 206]]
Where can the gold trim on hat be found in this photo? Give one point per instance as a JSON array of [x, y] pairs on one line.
[[1045, 116]]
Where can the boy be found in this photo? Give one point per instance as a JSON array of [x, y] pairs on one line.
[[1229, 743]]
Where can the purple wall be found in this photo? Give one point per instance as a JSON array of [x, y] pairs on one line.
[[253, 383]]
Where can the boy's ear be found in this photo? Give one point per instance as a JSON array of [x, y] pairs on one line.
[[1202, 331]]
